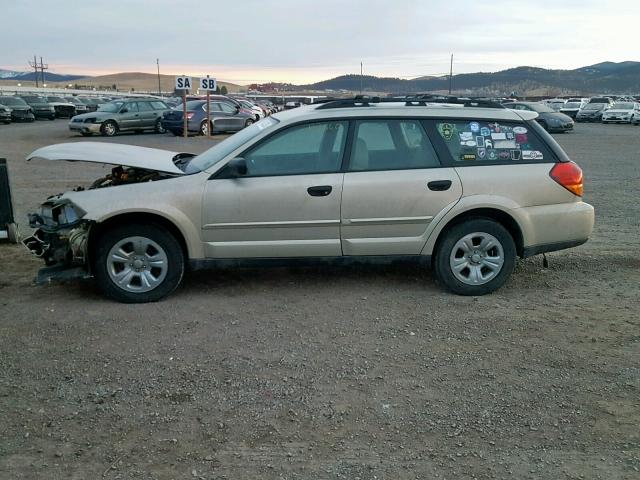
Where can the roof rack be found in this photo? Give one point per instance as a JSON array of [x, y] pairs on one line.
[[421, 100]]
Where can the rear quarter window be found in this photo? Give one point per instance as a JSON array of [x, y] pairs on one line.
[[470, 142]]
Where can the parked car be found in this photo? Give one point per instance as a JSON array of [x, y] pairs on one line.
[[591, 112], [549, 119], [604, 100], [573, 106], [20, 110], [81, 107], [136, 114], [224, 118], [5, 114], [555, 104], [465, 190], [621, 112], [92, 103], [64, 108], [40, 107], [257, 111], [290, 105]]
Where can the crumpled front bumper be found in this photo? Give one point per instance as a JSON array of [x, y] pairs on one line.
[[63, 247]]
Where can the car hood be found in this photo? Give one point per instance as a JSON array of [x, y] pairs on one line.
[[61, 104], [112, 153], [97, 115]]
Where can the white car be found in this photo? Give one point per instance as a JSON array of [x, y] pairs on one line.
[[555, 103], [256, 110], [622, 112], [573, 105]]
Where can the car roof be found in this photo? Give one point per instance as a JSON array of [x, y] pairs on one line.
[[399, 109]]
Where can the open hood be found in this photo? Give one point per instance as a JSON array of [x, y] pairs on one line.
[[112, 153]]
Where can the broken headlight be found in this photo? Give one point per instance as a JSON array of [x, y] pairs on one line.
[[56, 214]]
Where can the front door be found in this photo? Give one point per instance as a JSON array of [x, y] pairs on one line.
[[394, 187], [288, 202], [129, 116]]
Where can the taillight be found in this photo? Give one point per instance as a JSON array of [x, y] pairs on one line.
[[569, 175], [190, 115]]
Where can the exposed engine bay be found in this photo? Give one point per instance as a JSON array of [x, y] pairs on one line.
[[126, 175]]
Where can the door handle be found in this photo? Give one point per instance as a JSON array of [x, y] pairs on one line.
[[439, 185], [320, 190]]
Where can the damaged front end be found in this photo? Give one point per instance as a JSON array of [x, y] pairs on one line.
[[60, 239]]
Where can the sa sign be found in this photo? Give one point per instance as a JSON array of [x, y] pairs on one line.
[[183, 83], [207, 83]]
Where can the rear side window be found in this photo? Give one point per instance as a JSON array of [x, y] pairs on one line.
[[144, 106], [391, 145], [159, 105], [471, 142]]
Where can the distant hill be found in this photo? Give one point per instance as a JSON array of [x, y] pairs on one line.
[[607, 77], [30, 76], [139, 81]]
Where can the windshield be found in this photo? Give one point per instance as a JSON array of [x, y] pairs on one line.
[[225, 147], [15, 101], [193, 104], [55, 99], [594, 106], [540, 108], [572, 105], [622, 106], [29, 99], [113, 107]]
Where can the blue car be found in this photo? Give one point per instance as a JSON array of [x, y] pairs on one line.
[[224, 117]]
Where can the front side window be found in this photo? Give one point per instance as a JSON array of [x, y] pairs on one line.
[[391, 145], [130, 107], [304, 149], [472, 142]]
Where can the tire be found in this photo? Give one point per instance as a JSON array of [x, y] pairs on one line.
[[109, 128], [144, 281], [158, 127], [204, 127], [52, 118], [469, 279], [86, 134], [248, 123], [6, 123]]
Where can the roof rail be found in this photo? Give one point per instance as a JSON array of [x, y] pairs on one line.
[[421, 100]]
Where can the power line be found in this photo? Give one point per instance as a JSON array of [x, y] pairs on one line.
[[39, 69]]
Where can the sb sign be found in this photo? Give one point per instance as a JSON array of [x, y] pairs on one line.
[[208, 84], [183, 83]]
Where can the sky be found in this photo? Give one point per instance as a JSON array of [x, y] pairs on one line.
[[304, 41]]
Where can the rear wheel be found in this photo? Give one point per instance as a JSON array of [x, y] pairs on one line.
[[475, 257], [109, 128], [204, 128], [159, 128], [248, 123], [138, 263]]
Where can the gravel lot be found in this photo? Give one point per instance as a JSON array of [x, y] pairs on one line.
[[329, 373]]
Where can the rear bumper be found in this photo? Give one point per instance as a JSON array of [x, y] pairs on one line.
[[556, 227]]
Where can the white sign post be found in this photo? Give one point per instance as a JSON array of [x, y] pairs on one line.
[[208, 84], [184, 83]]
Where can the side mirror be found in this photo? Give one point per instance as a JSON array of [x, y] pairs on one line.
[[237, 167]]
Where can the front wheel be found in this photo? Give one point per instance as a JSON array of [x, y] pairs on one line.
[[138, 263], [109, 128], [475, 257], [248, 123]]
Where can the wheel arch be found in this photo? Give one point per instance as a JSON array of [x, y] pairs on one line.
[[491, 213], [135, 218]]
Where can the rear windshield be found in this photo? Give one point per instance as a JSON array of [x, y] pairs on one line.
[[488, 141]]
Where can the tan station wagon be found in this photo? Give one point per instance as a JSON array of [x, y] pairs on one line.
[[463, 187]]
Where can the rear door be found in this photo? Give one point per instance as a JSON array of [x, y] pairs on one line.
[[394, 187], [148, 115], [234, 121]]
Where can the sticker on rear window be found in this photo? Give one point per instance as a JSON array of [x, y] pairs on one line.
[[532, 155]]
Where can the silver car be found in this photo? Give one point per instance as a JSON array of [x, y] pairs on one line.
[[464, 189], [136, 114]]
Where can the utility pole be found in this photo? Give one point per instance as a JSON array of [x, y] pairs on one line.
[[451, 74], [35, 67], [43, 67], [159, 89], [360, 78]]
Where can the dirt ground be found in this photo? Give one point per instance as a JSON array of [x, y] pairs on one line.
[[329, 373]]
